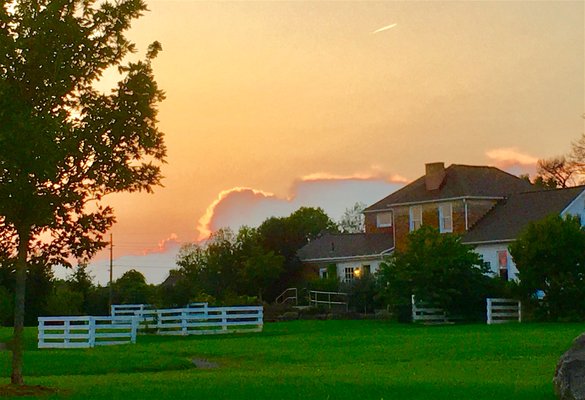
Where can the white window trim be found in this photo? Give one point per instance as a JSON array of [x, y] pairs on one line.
[[384, 225], [351, 271], [442, 217], [412, 220]]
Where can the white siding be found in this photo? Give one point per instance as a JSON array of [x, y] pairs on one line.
[[341, 266], [577, 208], [489, 253]]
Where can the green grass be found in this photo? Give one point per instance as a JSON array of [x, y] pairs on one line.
[[355, 360]]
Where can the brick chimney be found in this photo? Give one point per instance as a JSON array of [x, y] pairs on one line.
[[435, 173]]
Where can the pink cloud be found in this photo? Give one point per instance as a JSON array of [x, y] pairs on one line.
[[512, 160], [334, 193]]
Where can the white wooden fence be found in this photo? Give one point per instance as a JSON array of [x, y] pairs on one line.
[[209, 320], [500, 311], [86, 331], [195, 319], [423, 312]]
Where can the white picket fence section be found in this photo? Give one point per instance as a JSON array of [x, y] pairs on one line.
[[86, 331], [422, 312], [500, 311]]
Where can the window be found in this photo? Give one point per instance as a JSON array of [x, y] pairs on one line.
[[415, 217], [349, 274], [366, 269], [503, 264], [323, 273], [384, 220], [445, 218]]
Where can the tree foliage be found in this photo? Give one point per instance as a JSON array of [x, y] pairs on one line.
[[63, 144], [352, 220], [435, 268], [550, 256]]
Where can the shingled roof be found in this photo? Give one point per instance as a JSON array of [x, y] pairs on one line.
[[459, 181], [344, 245], [507, 219]]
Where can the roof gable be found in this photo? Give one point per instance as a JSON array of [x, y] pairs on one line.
[[460, 181]]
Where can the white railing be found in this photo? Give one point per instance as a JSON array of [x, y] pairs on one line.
[[289, 295], [209, 320], [423, 312], [317, 297], [86, 331], [500, 311]]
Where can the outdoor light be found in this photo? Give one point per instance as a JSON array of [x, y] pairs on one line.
[[357, 272]]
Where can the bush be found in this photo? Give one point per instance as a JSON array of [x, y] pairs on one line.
[[438, 269], [550, 257]]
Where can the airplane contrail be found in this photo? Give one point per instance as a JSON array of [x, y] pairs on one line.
[[384, 28]]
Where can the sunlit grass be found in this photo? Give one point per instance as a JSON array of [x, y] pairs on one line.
[[313, 360]]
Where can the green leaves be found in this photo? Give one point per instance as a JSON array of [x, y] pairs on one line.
[[64, 145], [550, 256]]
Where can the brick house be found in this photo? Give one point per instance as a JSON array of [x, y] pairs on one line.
[[473, 201]]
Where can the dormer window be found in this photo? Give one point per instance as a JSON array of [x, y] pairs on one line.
[[445, 218], [384, 220], [415, 214]]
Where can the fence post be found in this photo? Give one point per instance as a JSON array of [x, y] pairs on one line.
[[183, 322], [41, 332], [413, 308], [519, 311], [134, 329], [489, 311], [91, 331], [223, 319], [66, 333]]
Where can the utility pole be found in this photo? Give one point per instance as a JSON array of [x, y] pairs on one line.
[[111, 269]]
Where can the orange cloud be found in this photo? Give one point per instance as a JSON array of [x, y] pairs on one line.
[[510, 156], [324, 176], [204, 223], [163, 246]]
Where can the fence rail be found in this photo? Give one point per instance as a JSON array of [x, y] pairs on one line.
[[330, 299], [197, 319], [289, 295], [500, 311], [86, 331]]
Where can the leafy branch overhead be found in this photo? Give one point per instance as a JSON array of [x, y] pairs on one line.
[[63, 144]]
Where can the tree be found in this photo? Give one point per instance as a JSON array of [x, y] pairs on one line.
[[435, 268], [558, 171], [550, 256], [131, 288], [63, 144], [285, 236], [352, 220]]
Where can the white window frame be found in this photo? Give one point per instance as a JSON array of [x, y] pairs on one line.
[[349, 274], [415, 223], [384, 224], [445, 214]]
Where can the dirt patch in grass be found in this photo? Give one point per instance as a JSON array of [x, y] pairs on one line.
[[25, 390], [204, 364]]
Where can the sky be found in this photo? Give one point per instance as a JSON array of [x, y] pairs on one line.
[[271, 106]]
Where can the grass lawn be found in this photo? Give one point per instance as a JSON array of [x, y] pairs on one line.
[[355, 360]]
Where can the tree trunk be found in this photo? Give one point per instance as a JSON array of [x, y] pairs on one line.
[[19, 291]]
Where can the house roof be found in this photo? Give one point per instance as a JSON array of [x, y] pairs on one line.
[[346, 245], [507, 219], [460, 181]]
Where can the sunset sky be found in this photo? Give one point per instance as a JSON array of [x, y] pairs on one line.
[[275, 105]]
